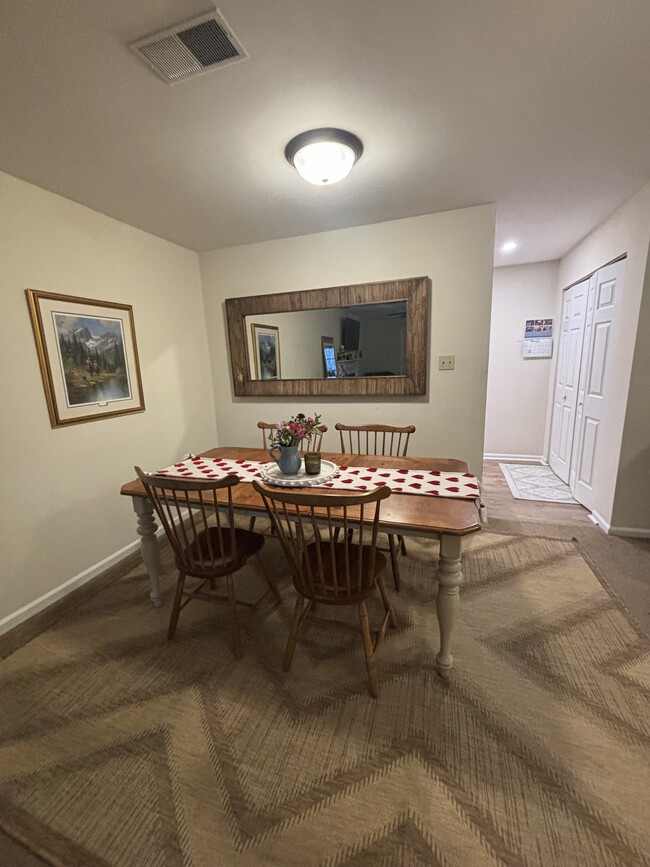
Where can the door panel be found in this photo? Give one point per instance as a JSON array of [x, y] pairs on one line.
[[597, 372], [588, 456]]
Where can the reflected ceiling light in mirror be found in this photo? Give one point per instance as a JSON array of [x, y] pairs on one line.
[[324, 156], [509, 246]]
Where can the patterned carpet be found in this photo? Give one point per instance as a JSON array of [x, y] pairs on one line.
[[528, 482], [120, 748]]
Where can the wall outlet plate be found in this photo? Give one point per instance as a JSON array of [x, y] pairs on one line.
[[446, 362]]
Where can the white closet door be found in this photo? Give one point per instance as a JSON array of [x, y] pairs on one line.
[[595, 385], [567, 378]]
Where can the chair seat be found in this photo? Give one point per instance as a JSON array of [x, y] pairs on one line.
[[248, 543], [327, 592]]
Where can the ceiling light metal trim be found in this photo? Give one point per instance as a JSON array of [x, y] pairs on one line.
[[328, 135]]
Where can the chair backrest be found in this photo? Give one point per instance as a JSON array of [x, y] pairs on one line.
[[267, 427], [315, 531], [198, 518], [375, 439]]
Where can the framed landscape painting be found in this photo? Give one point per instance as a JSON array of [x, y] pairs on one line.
[[88, 357], [266, 350]]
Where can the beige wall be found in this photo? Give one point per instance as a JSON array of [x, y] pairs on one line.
[[62, 512], [622, 475], [455, 249], [517, 388]]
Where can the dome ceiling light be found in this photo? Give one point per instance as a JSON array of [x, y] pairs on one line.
[[324, 156]]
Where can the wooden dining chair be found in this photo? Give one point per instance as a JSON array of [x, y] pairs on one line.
[[375, 439], [327, 570], [267, 427], [198, 518], [315, 446], [379, 439]]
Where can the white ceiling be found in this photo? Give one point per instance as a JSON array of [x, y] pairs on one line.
[[542, 106]]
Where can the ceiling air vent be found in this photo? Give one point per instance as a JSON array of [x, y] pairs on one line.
[[191, 48]]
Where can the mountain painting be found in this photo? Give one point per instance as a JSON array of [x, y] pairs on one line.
[[91, 353]]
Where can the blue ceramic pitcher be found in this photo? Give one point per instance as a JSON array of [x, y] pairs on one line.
[[288, 459]]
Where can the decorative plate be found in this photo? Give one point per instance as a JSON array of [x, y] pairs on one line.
[[271, 475]]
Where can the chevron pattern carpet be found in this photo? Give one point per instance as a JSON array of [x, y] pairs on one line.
[[120, 748]]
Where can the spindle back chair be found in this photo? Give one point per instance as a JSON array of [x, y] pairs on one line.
[[328, 567], [374, 439], [379, 439], [267, 427], [198, 518]]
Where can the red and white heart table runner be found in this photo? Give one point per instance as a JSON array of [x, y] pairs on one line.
[[401, 481]]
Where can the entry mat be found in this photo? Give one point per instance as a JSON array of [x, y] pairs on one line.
[[536, 483]]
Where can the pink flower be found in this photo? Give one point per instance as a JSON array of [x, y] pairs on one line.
[[294, 431]]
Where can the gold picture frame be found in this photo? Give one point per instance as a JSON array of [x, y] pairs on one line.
[[88, 356], [266, 351]]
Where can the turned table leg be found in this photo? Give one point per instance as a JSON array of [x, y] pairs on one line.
[[149, 545], [450, 578]]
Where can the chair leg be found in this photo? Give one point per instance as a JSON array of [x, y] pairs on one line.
[[293, 634], [234, 619], [368, 649], [402, 544], [176, 607], [251, 524], [269, 579], [394, 561], [388, 605]]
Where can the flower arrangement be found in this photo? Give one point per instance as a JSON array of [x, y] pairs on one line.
[[291, 433]]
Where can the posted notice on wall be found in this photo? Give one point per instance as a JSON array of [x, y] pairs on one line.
[[538, 338]]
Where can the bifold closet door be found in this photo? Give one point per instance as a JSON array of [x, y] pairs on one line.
[[596, 380], [565, 398]]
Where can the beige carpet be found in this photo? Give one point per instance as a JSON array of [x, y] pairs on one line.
[[120, 748]]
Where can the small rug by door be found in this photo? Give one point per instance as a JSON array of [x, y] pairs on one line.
[[536, 483]]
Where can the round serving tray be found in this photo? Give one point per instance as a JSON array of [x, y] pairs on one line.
[[271, 475]]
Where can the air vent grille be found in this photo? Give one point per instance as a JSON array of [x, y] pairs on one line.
[[191, 48]]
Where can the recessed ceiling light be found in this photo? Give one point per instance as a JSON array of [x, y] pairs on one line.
[[509, 246], [324, 156]]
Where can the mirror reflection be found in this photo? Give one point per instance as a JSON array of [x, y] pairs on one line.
[[331, 343]]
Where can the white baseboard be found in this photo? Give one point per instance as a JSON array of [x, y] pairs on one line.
[[488, 456], [62, 590], [631, 532]]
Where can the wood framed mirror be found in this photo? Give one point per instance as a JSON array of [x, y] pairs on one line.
[[387, 322]]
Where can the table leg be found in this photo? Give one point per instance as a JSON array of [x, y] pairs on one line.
[[450, 578], [149, 546]]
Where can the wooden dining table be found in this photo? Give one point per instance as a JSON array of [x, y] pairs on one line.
[[446, 518]]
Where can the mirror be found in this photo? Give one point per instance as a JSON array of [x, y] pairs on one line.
[[369, 338]]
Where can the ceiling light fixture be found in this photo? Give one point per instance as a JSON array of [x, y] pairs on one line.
[[324, 156], [509, 246]]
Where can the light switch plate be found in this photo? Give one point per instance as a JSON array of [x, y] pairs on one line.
[[446, 362]]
